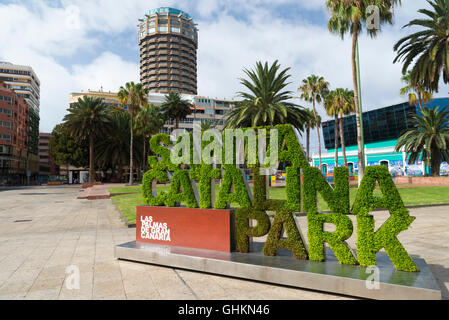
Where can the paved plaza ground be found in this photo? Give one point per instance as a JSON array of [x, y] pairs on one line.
[[44, 230]]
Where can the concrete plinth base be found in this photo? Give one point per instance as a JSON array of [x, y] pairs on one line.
[[328, 276]]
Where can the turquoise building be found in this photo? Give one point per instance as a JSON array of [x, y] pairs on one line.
[[382, 128]]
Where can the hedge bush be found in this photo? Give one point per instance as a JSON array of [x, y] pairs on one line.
[[338, 201], [204, 174], [284, 220], [180, 186], [370, 242], [149, 195], [290, 151], [244, 232], [180, 191], [232, 177]]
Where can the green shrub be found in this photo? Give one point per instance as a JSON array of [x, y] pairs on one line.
[[370, 242], [244, 232], [161, 150], [232, 177], [180, 187], [290, 151], [149, 195], [204, 174], [181, 191], [284, 220], [338, 201]]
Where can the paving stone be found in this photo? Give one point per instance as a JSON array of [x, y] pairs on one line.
[[34, 256]]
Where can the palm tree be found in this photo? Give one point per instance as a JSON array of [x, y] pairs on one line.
[[133, 96], [267, 101], [332, 105], [311, 123], [348, 16], [176, 108], [428, 139], [149, 121], [417, 95], [346, 108], [314, 89], [113, 149], [88, 119], [428, 47], [207, 125]]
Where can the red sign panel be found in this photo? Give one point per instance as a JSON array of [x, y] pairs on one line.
[[184, 227]]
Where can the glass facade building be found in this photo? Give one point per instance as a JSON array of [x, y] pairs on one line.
[[382, 128]]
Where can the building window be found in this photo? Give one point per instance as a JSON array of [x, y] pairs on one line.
[[176, 30], [163, 29], [5, 124], [152, 30]]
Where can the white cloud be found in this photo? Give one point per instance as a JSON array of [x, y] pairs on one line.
[[41, 35]]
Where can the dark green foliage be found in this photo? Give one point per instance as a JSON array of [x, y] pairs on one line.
[[232, 177], [265, 100], [88, 120], [112, 151], [428, 138], [336, 240], [176, 108], [244, 232], [338, 201], [425, 52], [67, 150], [33, 133], [370, 242], [283, 220], [161, 150], [293, 188], [290, 152], [147, 187], [337, 198], [181, 191], [204, 173]]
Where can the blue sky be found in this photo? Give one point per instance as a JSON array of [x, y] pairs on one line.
[[76, 45]]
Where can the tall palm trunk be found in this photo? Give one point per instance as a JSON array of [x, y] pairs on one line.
[[91, 160], [435, 163], [342, 139], [336, 140], [318, 133], [131, 159], [308, 143], [356, 103], [420, 100]]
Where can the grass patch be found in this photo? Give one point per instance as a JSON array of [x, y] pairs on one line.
[[127, 204], [134, 189], [411, 197]]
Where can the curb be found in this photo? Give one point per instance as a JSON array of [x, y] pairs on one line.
[[128, 224]]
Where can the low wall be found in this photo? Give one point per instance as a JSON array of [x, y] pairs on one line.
[[55, 183], [90, 185], [423, 181]]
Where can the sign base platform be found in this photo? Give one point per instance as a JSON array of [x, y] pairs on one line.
[[329, 276]]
